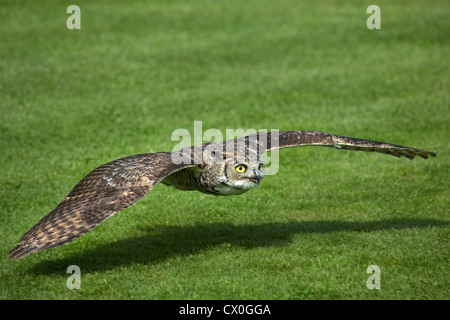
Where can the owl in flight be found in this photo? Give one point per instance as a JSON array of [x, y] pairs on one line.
[[220, 168]]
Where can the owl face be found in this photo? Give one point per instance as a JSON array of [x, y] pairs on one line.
[[244, 176]]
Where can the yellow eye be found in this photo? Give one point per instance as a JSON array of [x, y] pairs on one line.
[[260, 167], [241, 168]]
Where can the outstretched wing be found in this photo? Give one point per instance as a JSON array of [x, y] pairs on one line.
[[276, 140], [106, 190]]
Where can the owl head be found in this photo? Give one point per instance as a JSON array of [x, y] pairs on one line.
[[243, 176]]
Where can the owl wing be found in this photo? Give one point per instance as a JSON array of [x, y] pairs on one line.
[[106, 190], [283, 139]]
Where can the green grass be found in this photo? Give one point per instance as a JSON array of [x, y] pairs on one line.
[[71, 100]]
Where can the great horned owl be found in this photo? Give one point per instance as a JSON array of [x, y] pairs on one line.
[[227, 168]]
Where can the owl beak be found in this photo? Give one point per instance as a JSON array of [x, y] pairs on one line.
[[256, 178]]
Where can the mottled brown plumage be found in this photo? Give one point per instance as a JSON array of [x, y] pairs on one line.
[[213, 168], [110, 188]]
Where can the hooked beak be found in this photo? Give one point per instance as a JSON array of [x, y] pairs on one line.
[[256, 178]]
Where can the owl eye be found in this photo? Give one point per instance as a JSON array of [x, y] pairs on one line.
[[240, 168], [260, 167]]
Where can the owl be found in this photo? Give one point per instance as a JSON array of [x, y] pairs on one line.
[[227, 168]]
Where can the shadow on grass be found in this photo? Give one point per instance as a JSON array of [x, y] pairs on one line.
[[158, 243]]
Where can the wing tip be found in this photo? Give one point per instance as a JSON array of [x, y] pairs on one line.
[[27, 247], [19, 252], [425, 154]]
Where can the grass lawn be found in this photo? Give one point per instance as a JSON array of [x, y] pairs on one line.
[[71, 100]]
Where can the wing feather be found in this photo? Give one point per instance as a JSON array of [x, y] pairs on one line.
[[108, 189], [286, 139]]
